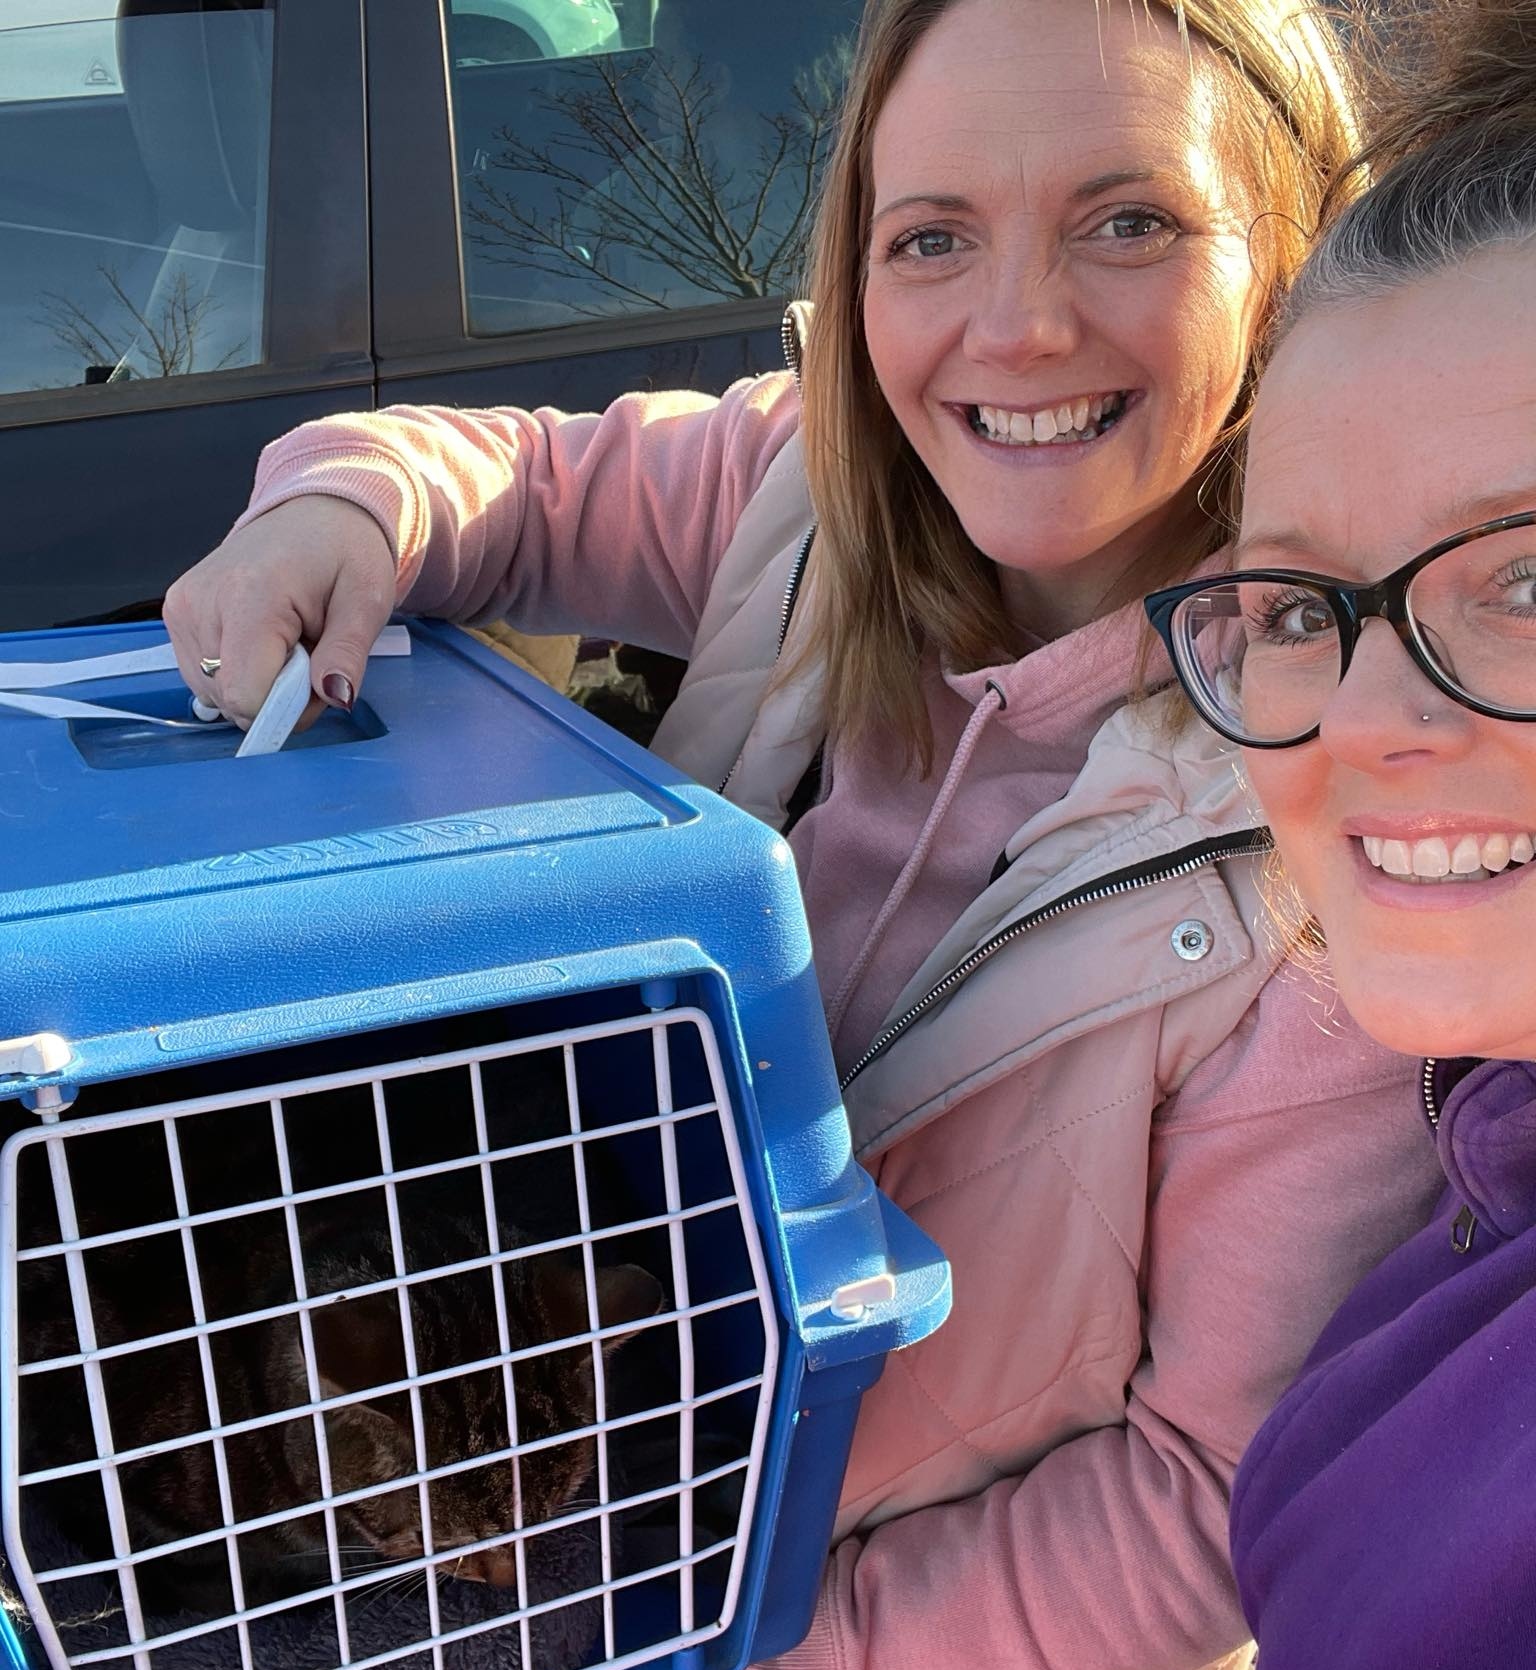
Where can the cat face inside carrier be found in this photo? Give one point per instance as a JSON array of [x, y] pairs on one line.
[[391, 1339], [358, 1344]]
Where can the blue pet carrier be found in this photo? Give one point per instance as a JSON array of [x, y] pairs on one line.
[[430, 1229]]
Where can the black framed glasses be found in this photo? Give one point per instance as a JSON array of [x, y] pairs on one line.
[[1261, 652]]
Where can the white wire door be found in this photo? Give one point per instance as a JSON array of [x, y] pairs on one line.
[[370, 1366]]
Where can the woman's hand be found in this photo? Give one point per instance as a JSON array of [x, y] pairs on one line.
[[315, 569]]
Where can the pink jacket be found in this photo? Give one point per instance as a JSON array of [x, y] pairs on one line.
[[1155, 1165]]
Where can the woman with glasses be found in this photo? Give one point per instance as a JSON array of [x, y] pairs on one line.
[[1375, 655]]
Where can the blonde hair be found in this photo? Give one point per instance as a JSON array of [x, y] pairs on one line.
[[894, 570]]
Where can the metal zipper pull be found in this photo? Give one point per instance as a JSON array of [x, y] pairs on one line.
[[1463, 1228]]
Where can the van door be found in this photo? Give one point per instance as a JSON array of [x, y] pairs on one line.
[[183, 276]]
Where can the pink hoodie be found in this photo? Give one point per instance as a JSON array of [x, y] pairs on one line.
[[1099, 1554]]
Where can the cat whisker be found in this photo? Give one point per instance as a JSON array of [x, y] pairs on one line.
[[394, 1590], [324, 1553]]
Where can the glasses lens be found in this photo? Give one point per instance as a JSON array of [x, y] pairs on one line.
[[1473, 610], [1260, 656]]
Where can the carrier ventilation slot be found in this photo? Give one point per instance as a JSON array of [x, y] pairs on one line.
[[365, 1369]]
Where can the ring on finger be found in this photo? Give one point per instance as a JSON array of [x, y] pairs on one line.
[[210, 664]]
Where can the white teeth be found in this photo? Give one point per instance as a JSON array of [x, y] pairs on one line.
[[1076, 420], [1467, 857], [1431, 858], [1396, 859]]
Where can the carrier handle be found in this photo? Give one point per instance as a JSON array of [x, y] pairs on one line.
[[20, 680]]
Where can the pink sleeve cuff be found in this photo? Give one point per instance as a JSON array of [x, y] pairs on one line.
[[819, 1650], [374, 482]]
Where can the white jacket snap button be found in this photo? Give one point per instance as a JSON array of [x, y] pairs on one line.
[[1192, 940]]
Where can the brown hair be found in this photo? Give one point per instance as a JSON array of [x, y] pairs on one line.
[[1452, 150], [893, 568]]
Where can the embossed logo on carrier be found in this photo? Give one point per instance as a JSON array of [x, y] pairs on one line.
[[408, 836]]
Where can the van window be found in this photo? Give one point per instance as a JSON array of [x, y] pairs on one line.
[[133, 183], [646, 154]]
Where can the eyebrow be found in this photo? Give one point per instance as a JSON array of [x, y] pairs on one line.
[[1112, 182], [1468, 511], [1473, 508], [927, 199], [1289, 541], [1082, 193]]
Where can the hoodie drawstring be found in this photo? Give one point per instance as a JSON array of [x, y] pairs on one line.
[[990, 703]]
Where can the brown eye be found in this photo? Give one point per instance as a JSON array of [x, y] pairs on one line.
[[1306, 620], [1136, 228], [1135, 224]]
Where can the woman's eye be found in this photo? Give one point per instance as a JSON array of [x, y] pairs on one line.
[[1293, 619], [1135, 226], [1518, 591], [925, 243], [1306, 620]]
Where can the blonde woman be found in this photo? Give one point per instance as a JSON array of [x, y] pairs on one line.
[[1049, 238]]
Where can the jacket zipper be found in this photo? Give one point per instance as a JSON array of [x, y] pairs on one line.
[[786, 610], [791, 344], [1464, 1224], [1427, 1089], [1250, 843], [789, 338], [792, 590]]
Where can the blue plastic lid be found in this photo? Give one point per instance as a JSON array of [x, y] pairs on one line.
[[85, 799]]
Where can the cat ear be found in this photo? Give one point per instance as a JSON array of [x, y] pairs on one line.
[[625, 1293], [358, 1344]]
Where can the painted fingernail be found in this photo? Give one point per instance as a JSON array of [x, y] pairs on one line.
[[337, 690]]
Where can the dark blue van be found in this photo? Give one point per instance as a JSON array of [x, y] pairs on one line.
[[220, 218]]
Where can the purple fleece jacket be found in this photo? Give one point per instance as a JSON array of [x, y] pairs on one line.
[[1386, 1512]]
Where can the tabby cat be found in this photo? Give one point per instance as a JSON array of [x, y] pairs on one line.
[[259, 1368]]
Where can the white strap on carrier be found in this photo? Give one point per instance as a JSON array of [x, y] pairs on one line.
[[21, 680]]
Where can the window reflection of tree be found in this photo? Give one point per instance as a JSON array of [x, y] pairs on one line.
[[165, 336], [651, 195]]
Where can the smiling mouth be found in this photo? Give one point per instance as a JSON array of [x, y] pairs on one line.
[[1083, 419], [1469, 857]]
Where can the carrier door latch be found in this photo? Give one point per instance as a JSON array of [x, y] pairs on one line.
[[41, 1056], [853, 1298]]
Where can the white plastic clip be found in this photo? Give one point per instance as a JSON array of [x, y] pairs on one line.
[[853, 1298], [37, 1057], [31, 1058], [282, 709]]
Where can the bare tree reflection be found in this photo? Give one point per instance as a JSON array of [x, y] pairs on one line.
[[645, 194], [165, 337]]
